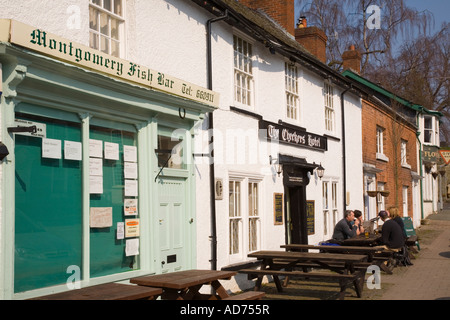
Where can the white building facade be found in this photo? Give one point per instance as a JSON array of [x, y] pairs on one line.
[[278, 105]]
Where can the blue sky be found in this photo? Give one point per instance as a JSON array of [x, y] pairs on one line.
[[439, 8]]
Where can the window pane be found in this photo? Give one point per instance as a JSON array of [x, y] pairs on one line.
[[93, 41], [104, 25], [104, 44], [48, 211], [97, 2], [115, 48], [93, 19], [107, 5], [176, 155], [114, 29], [118, 7]]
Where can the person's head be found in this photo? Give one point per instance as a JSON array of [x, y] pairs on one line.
[[349, 215], [393, 212], [383, 215], [358, 214]]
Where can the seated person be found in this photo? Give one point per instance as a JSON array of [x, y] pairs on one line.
[[358, 216], [394, 215], [344, 229], [391, 233]]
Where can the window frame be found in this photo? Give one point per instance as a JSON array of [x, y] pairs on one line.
[[100, 9], [330, 114], [291, 83], [248, 58]]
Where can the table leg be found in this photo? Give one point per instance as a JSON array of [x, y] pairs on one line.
[[220, 290]]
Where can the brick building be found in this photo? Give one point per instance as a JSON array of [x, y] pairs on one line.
[[389, 147]]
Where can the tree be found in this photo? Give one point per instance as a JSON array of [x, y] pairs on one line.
[[349, 22]]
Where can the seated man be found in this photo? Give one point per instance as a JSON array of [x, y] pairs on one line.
[[344, 229], [391, 232]]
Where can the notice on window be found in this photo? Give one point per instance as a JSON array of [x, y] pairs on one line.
[[132, 247], [95, 167], [95, 184], [100, 217], [120, 230], [130, 170], [72, 150], [131, 188], [111, 151], [95, 148], [130, 207], [131, 228], [51, 148], [129, 154]]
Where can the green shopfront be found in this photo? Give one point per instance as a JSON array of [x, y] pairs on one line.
[[98, 185]]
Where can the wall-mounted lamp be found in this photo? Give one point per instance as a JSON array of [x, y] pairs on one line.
[[3, 151], [320, 171], [278, 166]]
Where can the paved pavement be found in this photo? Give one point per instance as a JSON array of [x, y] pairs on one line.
[[429, 277]]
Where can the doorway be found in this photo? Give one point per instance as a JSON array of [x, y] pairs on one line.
[[296, 226]]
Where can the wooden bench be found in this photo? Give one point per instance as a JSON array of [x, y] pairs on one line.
[[249, 295], [344, 279]]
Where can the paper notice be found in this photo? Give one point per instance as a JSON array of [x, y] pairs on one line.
[[95, 184], [95, 167], [72, 150], [120, 230], [129, 154], [51, 148], [131, 228], [130, 170], [132, 247], [100, 217], [95, 148], [130, 207], [111, 151], [131, 188]]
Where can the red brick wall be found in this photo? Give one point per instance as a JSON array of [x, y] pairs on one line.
[[373, 116], [282, 11]]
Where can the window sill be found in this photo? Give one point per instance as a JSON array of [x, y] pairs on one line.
[[382, 157], [406, 166]]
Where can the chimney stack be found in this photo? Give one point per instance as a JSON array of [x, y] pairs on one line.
[[282, 11], [312, 38], [352, 60]]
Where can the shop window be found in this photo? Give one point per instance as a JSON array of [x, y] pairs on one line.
[[235, 216], [106, 26], [113, 197], [253, 216], [48, 204], [171, 149]]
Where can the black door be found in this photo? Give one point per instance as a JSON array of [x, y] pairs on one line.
[[297, 215]]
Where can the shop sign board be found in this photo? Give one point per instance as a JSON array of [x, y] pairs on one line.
[[63, 49], [294, 136], [430, 153]]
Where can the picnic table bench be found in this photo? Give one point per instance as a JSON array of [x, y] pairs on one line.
[[274, 261], [107, 291], [185, 285], [375, 255]]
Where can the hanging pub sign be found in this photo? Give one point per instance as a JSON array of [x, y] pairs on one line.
[[430, 153], [293, 135]]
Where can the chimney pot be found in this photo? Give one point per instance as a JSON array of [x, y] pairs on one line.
[[351, 59]]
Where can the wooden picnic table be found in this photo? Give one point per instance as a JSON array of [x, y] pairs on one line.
[[274, 261], [361, 240], [369, 251], [185, 285], [107, 291]]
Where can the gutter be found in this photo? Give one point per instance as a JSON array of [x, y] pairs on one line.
[[212, 175]]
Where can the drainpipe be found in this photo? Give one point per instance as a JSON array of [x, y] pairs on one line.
[[421, 170], [344, 162], [211, 126]]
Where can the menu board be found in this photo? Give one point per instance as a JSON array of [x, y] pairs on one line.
[[278, 208], [310, 217]]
